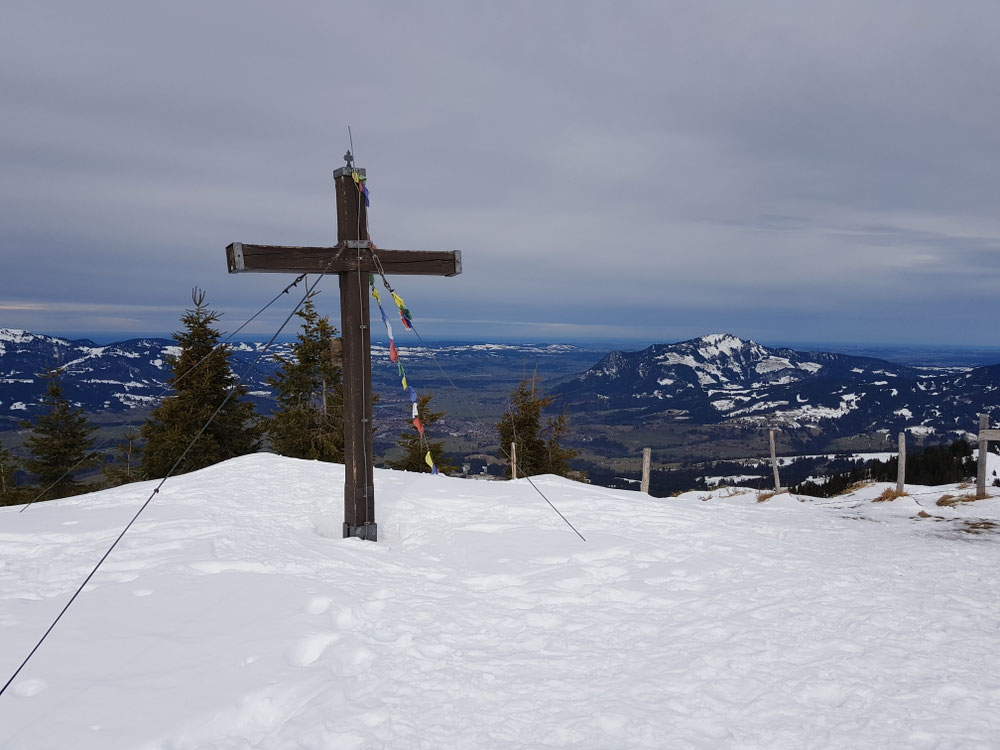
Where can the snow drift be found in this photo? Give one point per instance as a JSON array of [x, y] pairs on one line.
[[233, 616]]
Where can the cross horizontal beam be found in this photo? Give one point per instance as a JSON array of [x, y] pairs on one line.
[[989, 435], [343, 258]]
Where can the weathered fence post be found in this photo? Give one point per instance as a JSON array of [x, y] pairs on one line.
[[646, 456], [984, 444], [513, 460], [774, 463], [901, 470]]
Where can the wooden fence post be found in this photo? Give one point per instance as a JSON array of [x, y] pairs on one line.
[[901, 470], [774, 463], [646, 457], [513, 460], [984, 444]]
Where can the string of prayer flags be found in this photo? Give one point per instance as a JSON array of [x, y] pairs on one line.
[[360, 180], [404, 314]]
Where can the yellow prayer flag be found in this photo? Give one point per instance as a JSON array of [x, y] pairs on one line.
[[399, 300], [405, 386], [376, 295], [428, 460]]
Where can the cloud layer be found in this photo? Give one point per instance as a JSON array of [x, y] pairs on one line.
[[646, 171]]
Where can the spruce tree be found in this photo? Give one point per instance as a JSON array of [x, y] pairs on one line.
[[124, 466], [201, 379], [309, 419], [539, 448], [415, 448], [10, 493], [60, 441]]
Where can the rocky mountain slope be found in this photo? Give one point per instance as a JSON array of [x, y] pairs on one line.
[[721, 378]]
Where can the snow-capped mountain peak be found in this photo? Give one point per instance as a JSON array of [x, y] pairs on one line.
[[721, 377]]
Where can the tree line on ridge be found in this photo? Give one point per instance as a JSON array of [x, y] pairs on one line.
[[201, 423]]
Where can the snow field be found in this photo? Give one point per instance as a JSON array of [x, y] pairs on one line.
[[234, 616]]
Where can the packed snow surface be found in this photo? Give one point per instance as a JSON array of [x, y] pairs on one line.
[[233, 616]]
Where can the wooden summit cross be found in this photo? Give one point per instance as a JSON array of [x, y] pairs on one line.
[[352, 259]]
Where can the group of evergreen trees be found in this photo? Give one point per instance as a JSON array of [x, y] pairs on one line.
[[934, 465], [539, 448], [207, 419]]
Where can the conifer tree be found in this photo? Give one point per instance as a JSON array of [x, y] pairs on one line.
[[60, 441], [415, 448], [309, 419], [124, 466], [201, 379], [10, 493], [539, 449]]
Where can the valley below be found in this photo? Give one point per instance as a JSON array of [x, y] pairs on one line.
[[704, 406]]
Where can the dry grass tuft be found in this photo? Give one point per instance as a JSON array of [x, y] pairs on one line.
[[924, 514], [736, 491], [765, 496], [978, 527], [890, 494], [854, 488], [950, 501]]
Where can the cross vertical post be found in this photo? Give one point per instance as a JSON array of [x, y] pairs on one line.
[[352, 259], [355, 325]]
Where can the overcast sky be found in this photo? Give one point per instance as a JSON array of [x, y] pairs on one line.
[[642, 172]]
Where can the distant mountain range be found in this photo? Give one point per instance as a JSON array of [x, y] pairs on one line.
[[718, 385], [721, 378], [119, 377]]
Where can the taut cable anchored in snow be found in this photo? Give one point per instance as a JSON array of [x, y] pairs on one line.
[[408, 323], [191, 369], [406, 318], [232, 390]]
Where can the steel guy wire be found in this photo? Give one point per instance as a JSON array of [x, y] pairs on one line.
[[191, 369], [513, 427], [471, 409], [385, 281], [232, 390]]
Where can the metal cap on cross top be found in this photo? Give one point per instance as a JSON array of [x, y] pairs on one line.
[[352, 258]]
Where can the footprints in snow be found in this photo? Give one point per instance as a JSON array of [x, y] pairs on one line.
[[346, 623], [28, 688]]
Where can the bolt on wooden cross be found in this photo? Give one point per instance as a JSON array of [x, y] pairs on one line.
[[352, 259]]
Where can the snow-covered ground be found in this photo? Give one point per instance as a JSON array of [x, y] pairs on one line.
[[233, 616]]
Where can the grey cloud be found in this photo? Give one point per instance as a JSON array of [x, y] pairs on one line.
[[659, 169]]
